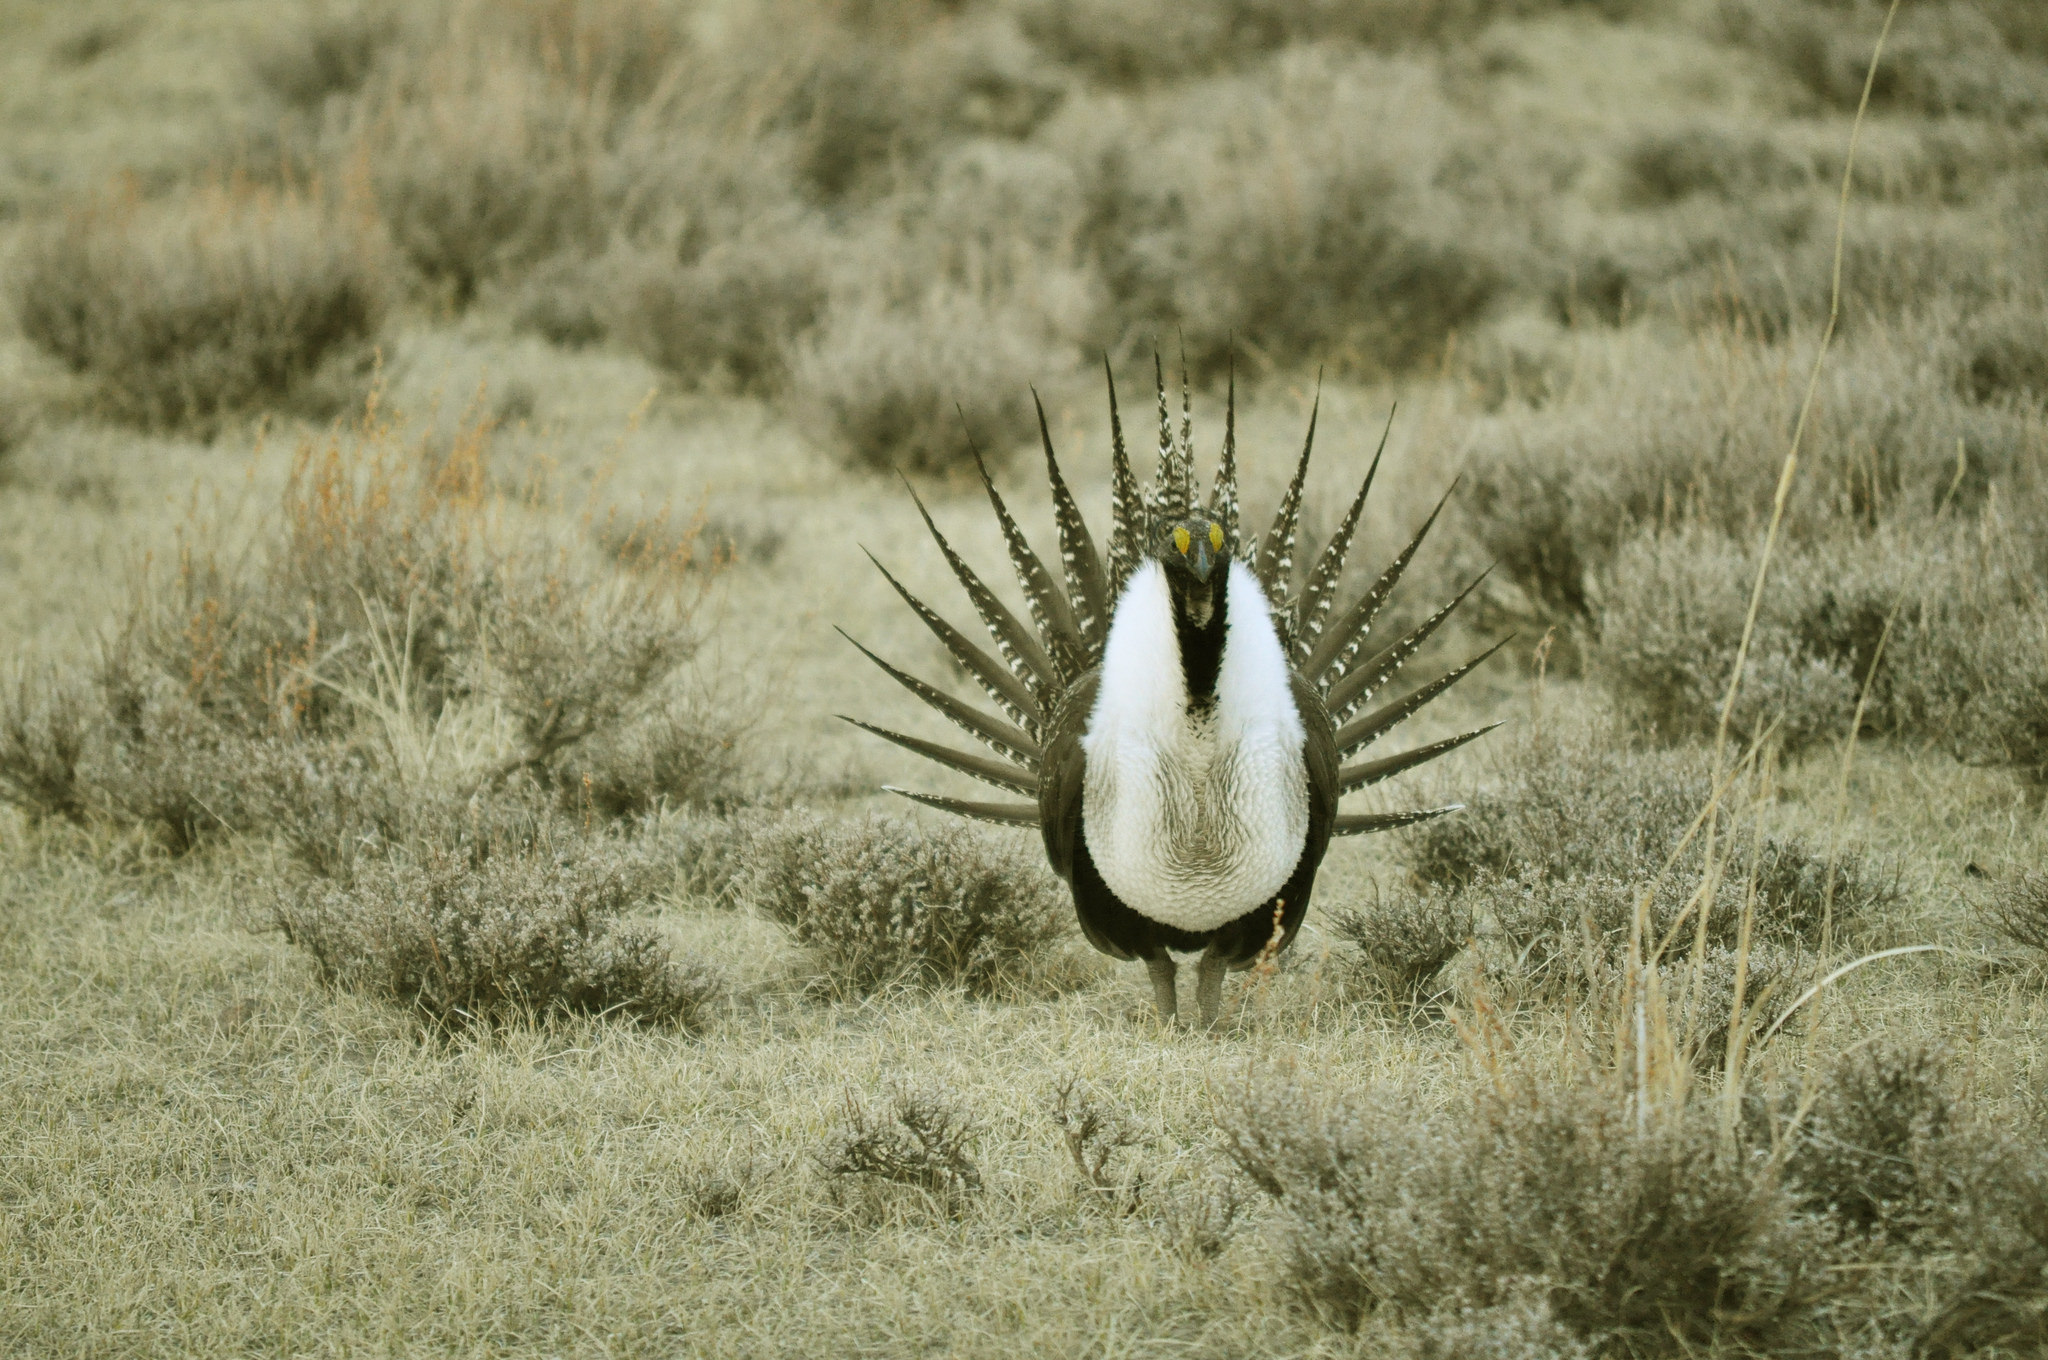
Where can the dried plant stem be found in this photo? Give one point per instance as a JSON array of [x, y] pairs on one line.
[[1790, 468]]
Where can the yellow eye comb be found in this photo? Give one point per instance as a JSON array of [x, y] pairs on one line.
[[1181, 539]]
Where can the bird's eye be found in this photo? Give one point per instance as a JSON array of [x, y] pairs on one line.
[[1216, 537], [1180, 539]]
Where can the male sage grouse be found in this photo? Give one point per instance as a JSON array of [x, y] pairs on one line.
[[1177, 716]]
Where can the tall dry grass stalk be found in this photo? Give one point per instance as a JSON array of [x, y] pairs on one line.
[[1644, 1041]]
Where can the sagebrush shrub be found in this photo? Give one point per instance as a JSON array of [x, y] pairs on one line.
[[1554, 865], [1673, 617], [184, 310], [889, 385], [1692, 445], [924, 1139], [1405, 940], [2018, 910], [482, 164], [532, 928], [1869, 1151], [883, 901], [326, 52], [727, 315], [1943, 58], [1547, 1200], [1961, 666], [381, 640], [1250, 213]]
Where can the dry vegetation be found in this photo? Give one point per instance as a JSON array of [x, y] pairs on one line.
[[438, 912]]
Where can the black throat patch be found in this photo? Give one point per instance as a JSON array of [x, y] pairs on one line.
[[1201, 644]]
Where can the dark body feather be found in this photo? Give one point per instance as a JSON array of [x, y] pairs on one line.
[[1048, 679]]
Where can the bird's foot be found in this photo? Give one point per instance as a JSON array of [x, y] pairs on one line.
[[1164, 997], [1209, 988]]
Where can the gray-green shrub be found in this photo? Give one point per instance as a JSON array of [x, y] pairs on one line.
[[186, 310], [885, 901], [541, 926], [1542, 1207]]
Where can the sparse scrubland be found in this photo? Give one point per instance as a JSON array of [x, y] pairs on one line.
[[440, 914]]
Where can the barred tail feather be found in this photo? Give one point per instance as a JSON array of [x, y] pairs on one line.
[[1223, 497], [1017, 644], [1011, 743], [1352, 778], [1357, 685], [999, 773], [1321, 588], [1087, 589], [1362, 732], [1337, 647], [1127, 506], [995, 679], [1170, 481], [1058, 632], [1001, 814], [1275, 568], [1365, 823]]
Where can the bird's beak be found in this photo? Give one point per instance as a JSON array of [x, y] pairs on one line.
[[1201, 561]]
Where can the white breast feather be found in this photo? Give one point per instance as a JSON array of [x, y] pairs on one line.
[[1194, 821]]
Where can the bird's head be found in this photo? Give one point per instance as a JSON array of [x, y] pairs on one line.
[[1194, 552]]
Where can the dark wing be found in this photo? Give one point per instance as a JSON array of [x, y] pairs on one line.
[[1319, 753], [1061, 773]]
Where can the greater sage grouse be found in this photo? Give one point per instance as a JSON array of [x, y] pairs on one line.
[[1176, 717]]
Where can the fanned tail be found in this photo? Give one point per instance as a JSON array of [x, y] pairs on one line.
[[1034, 666]]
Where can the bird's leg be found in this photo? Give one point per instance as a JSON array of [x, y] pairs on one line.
[[1209, 985], [1160, 966]]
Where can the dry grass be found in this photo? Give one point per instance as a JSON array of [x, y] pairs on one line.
[[521, 775]]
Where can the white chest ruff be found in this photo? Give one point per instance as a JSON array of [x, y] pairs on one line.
[[1194, 821]]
